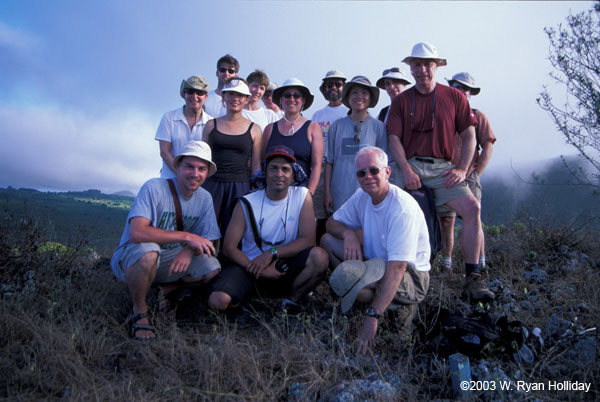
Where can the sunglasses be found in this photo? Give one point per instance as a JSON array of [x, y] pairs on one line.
[[374, 170], [331, 84], [192, 91], [391, 70], [229, 70], [292, 95], [357, 132]]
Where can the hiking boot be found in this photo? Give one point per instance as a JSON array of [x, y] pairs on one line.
[[476, 289]]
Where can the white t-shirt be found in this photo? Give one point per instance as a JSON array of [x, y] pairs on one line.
[[394, 230], [174, 128], [262, 116], [325, 117], [277, 221], [213, 105]]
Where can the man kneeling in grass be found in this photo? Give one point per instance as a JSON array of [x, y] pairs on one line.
[[276, 228], [169, 234], [395, 243]]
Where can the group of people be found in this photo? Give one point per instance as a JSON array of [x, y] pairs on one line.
[[257, 198]]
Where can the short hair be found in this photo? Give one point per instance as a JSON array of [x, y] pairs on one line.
[[229, 59], [380, 155], [260, 77]]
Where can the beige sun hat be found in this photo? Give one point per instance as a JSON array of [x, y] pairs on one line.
[[196, 82], [394, 73], [291, 83], [466, 79], [200, 150], [362, 81], [237, 85], [333, 74], [351, 276], [424, 50]]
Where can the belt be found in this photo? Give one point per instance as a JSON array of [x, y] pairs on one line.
[[424, 160]]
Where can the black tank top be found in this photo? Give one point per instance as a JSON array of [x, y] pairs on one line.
[[298, 142], [231, 154]]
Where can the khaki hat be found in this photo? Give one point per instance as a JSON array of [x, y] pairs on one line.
[[351, 276], [333, 74], [196, 82], [291, 83], [237, 85], [394, 73], [424, 50], [466, 79], [200, 150], [363, 81]]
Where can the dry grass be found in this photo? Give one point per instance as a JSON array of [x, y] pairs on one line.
[[63, 337]]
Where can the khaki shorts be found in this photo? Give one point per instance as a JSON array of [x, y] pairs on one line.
[[474, 184], [430, 174], [413, 287], [130, 253]]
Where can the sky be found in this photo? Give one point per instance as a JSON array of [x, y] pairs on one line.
[[84, 84]]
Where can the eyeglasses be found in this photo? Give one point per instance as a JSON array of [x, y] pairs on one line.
[[229, 70], [391, 70], [357, 132], [331, 84], [374, 170], [192, 91], [412, 107], [295, 95]]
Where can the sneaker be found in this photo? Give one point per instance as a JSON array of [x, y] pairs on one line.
[[476, 289]]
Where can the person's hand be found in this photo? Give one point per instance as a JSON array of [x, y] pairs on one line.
[[200, 245], [411, 180], [259, 264], [182, 260], [352, 250], [454, 177], [366, 335], [328, 203]]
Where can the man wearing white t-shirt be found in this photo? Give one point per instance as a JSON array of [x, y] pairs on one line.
[[395, 245], [331, 88], [227, 67]]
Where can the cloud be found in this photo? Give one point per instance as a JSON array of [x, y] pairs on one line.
[[17, 40], [53, 148]]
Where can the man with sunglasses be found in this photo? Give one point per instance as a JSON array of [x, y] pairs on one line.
[[331, 88], [227, 67], [394, 232], [276, 229], [485, 138], [422, 124]]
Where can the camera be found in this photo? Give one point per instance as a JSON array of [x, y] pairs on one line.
[[281, 266]]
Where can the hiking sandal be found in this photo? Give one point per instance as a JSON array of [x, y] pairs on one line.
[[134, 326]]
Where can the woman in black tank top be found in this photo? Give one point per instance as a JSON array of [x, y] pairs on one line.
[[235, 143], [296, 131]]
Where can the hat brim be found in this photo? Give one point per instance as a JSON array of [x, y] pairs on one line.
[[373, 91], [474, 90], [212, 167], [374, 270], [185, 84], [440, 62], [322, 88], [381, 82]]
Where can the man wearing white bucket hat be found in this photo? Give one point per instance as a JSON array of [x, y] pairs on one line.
[[395, 245], [485, 137], [168, 236], [422, 124]]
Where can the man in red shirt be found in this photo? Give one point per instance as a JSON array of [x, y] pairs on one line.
[[422, 124]]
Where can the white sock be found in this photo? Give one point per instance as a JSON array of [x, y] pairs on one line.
[[447, 262], [482, 261]]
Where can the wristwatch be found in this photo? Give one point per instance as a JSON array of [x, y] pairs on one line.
[[370, 312], [273, 252]]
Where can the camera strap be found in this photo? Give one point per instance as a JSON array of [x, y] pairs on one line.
[[177, 204], [252, 220]]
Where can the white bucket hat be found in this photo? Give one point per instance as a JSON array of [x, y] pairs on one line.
[[394, 73], [424, 50], [333, 74], [351, 276], [237, 85], [196, 82], [365, 82], [466, 79], [200, 150], [291, 83]]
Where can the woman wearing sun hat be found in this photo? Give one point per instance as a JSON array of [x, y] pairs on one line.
[[235, 141], [394, 82], [346, 136], [296, 131], [182, 124]]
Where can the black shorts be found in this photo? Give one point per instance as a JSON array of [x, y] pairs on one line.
[[238, 283]]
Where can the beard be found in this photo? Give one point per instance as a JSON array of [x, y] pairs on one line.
[[334, 96]]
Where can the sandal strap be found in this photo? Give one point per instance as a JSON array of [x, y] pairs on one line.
[[133, 317], [139, 327]]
